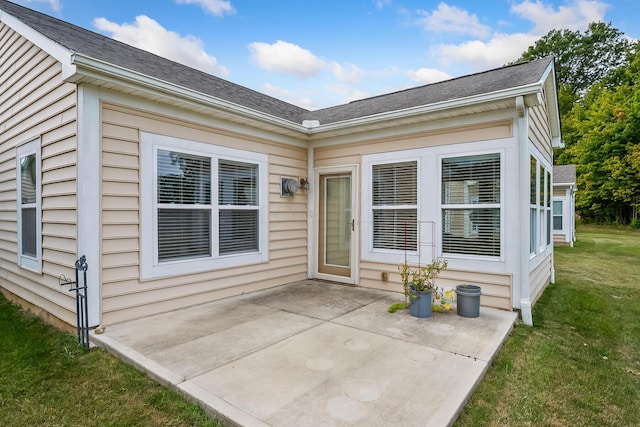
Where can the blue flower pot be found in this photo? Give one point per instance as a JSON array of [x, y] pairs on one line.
[[420, 303]]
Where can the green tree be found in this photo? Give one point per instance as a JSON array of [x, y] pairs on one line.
[[602, 133], [582, 59]]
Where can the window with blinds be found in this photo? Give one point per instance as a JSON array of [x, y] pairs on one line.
[[238, 204], [395, 206], [471, 206], [186, 208]]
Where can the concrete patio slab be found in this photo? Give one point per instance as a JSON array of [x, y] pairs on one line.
[[316, 353]]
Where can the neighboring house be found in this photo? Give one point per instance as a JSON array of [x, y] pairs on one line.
[[564, 205], [182, 188]]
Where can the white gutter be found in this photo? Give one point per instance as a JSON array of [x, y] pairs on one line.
[[91, 67], [533, 88]]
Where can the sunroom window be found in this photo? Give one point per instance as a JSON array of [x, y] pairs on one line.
[[394, 206], [471, 206]]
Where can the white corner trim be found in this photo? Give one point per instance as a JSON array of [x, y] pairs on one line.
[[60, 53], [88, 195]]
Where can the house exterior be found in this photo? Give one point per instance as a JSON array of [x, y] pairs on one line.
[[564, 204], [181, 188]]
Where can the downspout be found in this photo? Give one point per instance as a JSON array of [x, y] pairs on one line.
[[524, 188]]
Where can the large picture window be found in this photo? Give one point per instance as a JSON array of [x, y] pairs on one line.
[[206, 204], [471, 205], [394, 206], [29, 206]]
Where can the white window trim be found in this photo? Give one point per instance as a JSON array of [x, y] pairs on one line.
[[389, 255], [25, 261], [501, 206], [150, 267], [542, 167]]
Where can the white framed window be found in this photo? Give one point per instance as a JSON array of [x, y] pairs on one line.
[[206, 206], [540, 220], [29, 207], [394, 206], [557, 215], [471, 205], [533, 216]]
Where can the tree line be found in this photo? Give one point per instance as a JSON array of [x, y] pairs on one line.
[[598, 78]]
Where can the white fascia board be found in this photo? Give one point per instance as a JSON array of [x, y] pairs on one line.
[[529, 89], [549, 81], [60, 53], [91, 67]]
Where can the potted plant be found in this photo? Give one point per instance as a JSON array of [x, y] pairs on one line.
[[419, 286]]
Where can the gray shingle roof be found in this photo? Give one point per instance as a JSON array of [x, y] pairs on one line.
[[565, 174], [102, 48], [462, 87]]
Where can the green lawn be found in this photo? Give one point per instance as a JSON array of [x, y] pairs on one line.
[[46, 379], [580, 363]]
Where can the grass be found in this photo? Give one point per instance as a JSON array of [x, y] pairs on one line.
[[48, 380], [580, 362], [578, 365]]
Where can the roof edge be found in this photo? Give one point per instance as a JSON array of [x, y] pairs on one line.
[[533, 88], [95, 68], [59, 52]]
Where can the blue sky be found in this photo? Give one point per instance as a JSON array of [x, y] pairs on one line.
[[321, 53]]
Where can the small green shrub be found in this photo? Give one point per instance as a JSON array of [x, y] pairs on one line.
[[635, 223], [395, 307]]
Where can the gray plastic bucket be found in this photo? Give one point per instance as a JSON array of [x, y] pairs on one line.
[[468, 298]]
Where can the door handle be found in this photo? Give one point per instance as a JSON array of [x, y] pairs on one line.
[[353, 225]]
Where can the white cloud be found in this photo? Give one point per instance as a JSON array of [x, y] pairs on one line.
[[350, 74], [575, 15], [285, 57], [289, 58], [428, 75], [147, 34], [289, 96], [498, 51], [452, 19], [502, 48], [216, 7], [381, 3], [53, 4]]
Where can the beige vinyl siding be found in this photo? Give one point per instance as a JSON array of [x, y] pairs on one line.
[[351, 153], [124, 295], [539, 130], [559, 191], [539, 278], [496, 288], [35, 103]]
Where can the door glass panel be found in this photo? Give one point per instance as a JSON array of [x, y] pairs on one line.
[[337, 222]]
